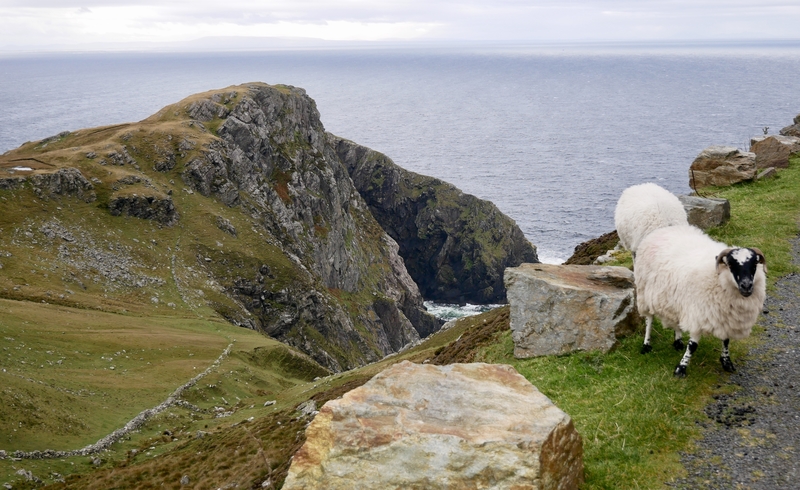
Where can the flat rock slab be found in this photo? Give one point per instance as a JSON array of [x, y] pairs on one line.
[[706, 213], [461, 426], [721, 166], [556, 309]]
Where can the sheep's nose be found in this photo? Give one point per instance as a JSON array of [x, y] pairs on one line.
[[746, 287]]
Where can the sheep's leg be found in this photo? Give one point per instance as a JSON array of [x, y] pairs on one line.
[[646, 347], [725, 358], [680, 370], [678, 342]]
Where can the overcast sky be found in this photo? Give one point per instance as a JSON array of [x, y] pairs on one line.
[[28, 24]]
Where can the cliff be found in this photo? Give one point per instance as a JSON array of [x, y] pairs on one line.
[[455, 245], [237, 203]]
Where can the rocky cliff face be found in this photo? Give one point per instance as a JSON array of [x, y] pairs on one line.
[[455, 245], [271, 159]]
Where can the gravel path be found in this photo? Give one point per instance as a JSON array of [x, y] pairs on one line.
[[753, 436]]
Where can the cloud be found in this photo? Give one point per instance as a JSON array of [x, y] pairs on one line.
[[32, 22]]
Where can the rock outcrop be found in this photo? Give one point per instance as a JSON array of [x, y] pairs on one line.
[[774, 151], [793, 129], [67, 181], [455, 246], [436, 427], [154, 207], [587, 252], [706, 213], [721, 166], [556, 309]]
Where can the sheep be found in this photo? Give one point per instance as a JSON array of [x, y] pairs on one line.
[[697, 285], [643, 208]]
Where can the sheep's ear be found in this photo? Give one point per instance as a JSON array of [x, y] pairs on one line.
[[721, 258], [761, 259]]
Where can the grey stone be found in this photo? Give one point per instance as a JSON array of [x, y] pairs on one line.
[[459, 426], [226, 226], [556, 309], [774, 151], [767, 173], [706, 213], [721, 166]]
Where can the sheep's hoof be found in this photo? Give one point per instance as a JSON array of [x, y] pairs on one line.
[[680, 371], [646, 348], [727, 365], [679, 345]]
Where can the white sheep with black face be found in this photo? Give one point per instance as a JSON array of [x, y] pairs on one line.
[[643, 208], [697, 285]]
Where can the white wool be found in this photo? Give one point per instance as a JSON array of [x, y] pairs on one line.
[[643, 208], [678, 281]]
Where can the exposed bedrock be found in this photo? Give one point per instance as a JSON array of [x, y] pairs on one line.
[[355, 302], [454, 245]]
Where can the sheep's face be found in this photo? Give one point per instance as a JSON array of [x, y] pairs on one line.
[[743, 264]]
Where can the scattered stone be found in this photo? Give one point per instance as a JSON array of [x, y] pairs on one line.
[[768, 173], [721, 166], [706, 213], [774, 151], [269, 403], [185, 480], [424, 426], [226, 226], [557, 309], [307, 409]]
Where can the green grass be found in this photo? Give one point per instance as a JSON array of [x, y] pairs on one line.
[[633, 414], [765, 214]]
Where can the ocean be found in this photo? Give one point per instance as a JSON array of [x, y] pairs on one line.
[[550, 134]]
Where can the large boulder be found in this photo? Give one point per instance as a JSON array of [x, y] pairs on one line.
[[774, 151], [435, 427], [706, 213], [557, 309], [792, 130], [721, 166]]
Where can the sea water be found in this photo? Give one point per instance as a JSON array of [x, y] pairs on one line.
[[550, 134]]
